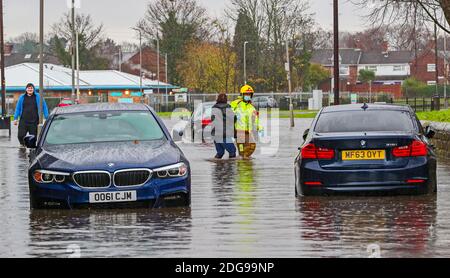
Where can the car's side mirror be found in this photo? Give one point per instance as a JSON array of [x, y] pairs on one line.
[[30, 141], [177, 135], [305, 134], [429, 132]]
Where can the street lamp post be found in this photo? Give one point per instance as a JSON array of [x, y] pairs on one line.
[[72, 49], [336, 51], [245, 62], [288, 72], [140, 60], [41, 61]]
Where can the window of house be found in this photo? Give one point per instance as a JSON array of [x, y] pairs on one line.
[[431, 67], [371, 68], [344, 70], [431, 83], [399, 68]]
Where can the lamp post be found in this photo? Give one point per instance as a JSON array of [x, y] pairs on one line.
[[41, 60], [2, 61], [140, 59], [245, 62], [288, 71], [72, 49], [336, 51]]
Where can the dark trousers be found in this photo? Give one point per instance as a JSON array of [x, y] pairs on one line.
[[221, 147], [25, 128]]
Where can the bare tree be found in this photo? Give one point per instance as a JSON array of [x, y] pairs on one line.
[[413, 12], [84, 25]]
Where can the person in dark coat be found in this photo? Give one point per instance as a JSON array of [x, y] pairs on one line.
[[223, 119], [27, 113]]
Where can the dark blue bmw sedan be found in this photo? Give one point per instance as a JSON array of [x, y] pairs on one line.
[[107, 155], [366, 148]]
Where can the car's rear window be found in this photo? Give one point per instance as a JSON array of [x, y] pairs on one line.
[[103, 127], [364, 121]]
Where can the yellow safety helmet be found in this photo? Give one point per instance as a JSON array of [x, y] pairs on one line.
[[247, 90]]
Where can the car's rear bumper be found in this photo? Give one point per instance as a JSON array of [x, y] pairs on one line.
[[397, 181]]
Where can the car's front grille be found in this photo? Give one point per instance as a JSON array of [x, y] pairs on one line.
[[92, 179], [137, 177]]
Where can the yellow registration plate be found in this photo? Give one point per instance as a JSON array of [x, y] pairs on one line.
[[364, 155]]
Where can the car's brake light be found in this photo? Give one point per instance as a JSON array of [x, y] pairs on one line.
[[206, 122], [310, 151], [415, 181], [417, 148], [313, 183]]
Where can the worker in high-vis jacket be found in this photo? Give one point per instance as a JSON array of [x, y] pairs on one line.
[[247, 123]]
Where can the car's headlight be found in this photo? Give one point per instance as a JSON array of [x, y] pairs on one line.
[[173, 171], [44, 176]]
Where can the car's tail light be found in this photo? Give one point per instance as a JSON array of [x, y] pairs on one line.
[[206, 122], [415, 181], [310, 151], [417, 148], [313, 183]]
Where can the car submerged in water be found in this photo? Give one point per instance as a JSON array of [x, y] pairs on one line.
[[106, 155], [370, 148]]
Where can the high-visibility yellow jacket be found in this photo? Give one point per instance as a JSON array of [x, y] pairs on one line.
[[235, 103], [247, 117]]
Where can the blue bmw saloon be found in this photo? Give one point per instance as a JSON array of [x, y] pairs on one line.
[[370, 148], [106, 155]]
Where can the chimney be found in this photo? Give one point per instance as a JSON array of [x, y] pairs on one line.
[[8, 49], [385, 46]]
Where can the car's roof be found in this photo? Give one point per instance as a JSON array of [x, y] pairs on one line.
[[360, 107], [100, 107]]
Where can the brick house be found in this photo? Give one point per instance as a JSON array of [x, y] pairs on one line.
[[391, 69], [424, 68], [149, 64]]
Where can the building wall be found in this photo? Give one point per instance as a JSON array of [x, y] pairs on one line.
[[419, 68], [389, 70]]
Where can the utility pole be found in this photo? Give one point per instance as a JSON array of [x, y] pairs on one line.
[[336, 52], [445, 69], [288, 71], [41, 61], [72, 49], [167, 75], [436, 56], [78, 68], [245, 62], [2, 62], [140, 62]]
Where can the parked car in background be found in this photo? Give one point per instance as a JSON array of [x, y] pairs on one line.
[[200, 121], [66, 102], [98, 155], [264, 102], [366, 148]]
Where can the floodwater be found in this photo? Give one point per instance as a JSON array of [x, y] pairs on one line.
[[239, 209]]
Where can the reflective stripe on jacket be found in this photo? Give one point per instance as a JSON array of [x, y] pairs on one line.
[[247, 117]]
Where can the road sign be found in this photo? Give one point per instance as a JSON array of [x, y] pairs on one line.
[[354, 98]]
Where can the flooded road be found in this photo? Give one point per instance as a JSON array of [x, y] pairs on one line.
[[239, 209]]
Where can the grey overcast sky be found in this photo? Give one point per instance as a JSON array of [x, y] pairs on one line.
[[118, 15]]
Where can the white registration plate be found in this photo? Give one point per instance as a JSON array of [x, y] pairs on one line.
[[112, 197]]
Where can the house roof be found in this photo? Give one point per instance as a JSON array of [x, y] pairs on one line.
[[60, 78], [390, 57], [324, 57], [19, 58]]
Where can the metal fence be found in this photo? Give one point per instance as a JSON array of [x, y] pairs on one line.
[[168, 103]]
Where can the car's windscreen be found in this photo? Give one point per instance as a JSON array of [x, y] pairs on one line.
[[365, 121], [103, 127]]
